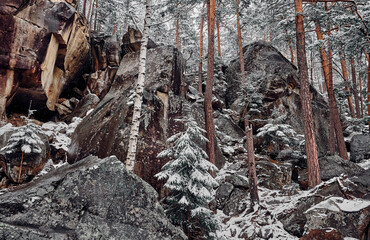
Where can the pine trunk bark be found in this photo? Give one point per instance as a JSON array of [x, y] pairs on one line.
[[345, 75], [334, 117], [241, 55], [84, 8], [177, 33], [355, 92], [368, 86], [251, 163], [218, 39], [290, 47], [211, 7], [360, 81], [311, 148], [200, 73], [134, 132], [91, 6], [96, 14]]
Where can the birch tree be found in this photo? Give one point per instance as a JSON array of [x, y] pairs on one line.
[[134, 132]]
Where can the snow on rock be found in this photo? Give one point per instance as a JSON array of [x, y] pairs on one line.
[[337, 204]]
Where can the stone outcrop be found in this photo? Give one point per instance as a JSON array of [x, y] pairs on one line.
[[360, 147], [131, 41], [45, 47], [92, 199], [271, 93]]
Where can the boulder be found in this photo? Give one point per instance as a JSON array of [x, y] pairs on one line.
[[273, 174], [100, 82], [92, 199], [131, 41], [86, 104], [222, 194], [25, 153], [334, 166], [319, 234], [106, 51], [360, 147], [105, 131], [270, 93], [350, 217], [46, 47]]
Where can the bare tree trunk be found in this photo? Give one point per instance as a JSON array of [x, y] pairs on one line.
[[360, 81], [200, 73], [311, 148], [211, 6], [90, 9], [218, 33], [241, 55], [334, 116], [368, 86], [177, 33], [84, 8], [92, 13], [345, 75], [290, 46], [96, 14], [251, 164], [355, 93], [134, 132]]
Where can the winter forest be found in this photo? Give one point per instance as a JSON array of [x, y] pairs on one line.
[[169, 119]]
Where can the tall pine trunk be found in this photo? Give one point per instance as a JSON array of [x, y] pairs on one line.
[[211, 6], [311, 148], [84, 8], [177, 33], [360, 81], [241, 55], [218, 32], [345, 76], [134, 132], [290, 46], [355, 93], [251, 163], [96, 14], [334, 116], [200, 73], [368, 86]]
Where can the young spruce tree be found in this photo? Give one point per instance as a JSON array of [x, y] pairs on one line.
[[189, 179]]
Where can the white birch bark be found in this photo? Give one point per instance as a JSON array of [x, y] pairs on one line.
[[134, 132]]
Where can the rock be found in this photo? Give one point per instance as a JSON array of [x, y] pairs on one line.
[[19, 164], [237, 202], [100, 82], [92, 199], [106, 51], [273, 174], [131, 41], [238, 181], [320, 234], [360, 147], [46, 48], [105, 131], [271, 94], [334, 166], [350, 217], [86, 104], [363, 178], [222, 194]]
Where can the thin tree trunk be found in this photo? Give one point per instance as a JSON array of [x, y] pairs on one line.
[[96, 14], [90, 8], [360, 81], [134, 132], [368, 86], [355, 93], [334, 116], [84, 8], [92, 13], [251, 163], [20, 169], [211, 6], [241, 55], [114, 29], [290, 46], [177, 33], [345, 75], [311, 148], [218, 32], [200, 73]]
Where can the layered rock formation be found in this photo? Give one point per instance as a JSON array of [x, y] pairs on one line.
[[270, 94], [45, 48], [92, 199]]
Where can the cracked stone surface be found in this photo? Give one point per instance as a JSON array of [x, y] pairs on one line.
[[91, 199]]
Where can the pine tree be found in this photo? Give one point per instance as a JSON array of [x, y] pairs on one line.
[[189, 179]]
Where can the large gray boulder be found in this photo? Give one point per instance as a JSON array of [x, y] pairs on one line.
[[270, 94], [92, 199], [105, 131], [360, 147], [334, 166]]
